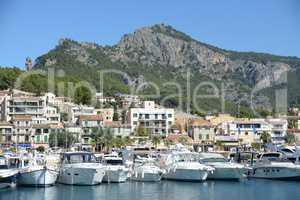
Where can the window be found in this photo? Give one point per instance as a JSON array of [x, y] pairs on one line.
[[134, 115], [46, 138], [26, 138], [38, 139], [134, 122], [207, 137], [147, 116], [169, 115], [156, 116], [200, 137]]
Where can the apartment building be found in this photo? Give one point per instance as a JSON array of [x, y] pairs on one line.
[[29, 106], [106, 113], [157, 121], [88, 123], [278, 129], [22, 134], [6, 134], [202, 131]]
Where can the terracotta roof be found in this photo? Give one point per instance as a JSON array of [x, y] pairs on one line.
[[22, 118], [90, 118], [4, 123], [51, 126], [293, 130], [175, 138], [41, 126], [200, 122], [115, 124]]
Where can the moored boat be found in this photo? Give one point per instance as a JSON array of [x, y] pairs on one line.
[[224, 169], [273, 166], [80, 168], [115, 170], [185, 166], [8, 171]]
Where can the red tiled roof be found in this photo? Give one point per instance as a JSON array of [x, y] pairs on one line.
[[115, 124], [175, 137], [22, 118], [200, 122], [90, 118]]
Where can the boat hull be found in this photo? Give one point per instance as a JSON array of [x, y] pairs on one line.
[[146, 177], [42, 177], [81, 176], [115, 176], [7, 182], [226, 174], [186, 175], [278, 173]]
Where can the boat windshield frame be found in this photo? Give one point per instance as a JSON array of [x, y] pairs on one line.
[[85, 158]]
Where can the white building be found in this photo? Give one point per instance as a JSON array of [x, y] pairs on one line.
[[29, 106], [249, 130], [77, 111], [157, 121], [278, 129], [52, 116]]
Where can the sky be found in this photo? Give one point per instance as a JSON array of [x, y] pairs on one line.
[[33, 27]]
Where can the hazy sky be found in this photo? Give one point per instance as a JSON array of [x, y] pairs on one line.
[[33, 27]]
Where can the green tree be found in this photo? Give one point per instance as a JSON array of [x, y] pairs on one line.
[[292, 123], [168, 143], [142, 131], [62, 139], [83, 96], [40, 149], [265, 138], [183, 140], [156, 140], [290, 138], [97, 138], [64, 116]]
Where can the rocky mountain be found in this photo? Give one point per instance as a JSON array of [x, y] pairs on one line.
[[160, 53]]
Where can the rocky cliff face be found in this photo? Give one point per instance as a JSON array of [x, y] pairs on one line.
[[161, 45]]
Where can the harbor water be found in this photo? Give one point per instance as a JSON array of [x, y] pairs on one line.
[[165, 190]]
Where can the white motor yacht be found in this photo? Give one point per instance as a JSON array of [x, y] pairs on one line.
[[115, 170], [223, 169], [146, 170], [8, 171], [185, 166], [37, 174], [273, 166], [80, 168]]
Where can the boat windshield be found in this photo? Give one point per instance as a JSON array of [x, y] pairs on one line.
[[208, 160], [79, 158], [186, 158], [114, 161]]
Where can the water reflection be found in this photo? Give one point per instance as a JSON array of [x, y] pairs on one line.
[[165, 190]]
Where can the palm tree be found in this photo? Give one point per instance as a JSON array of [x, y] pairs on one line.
[[127, 141], [168, 143], [265, 137], [183, 140], [108, 139], [97, 138], [156, 141], [290, 138]]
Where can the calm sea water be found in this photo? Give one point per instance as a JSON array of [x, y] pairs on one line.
[[165, 190]]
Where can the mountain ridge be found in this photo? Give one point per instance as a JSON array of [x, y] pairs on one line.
[[160, 53]]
